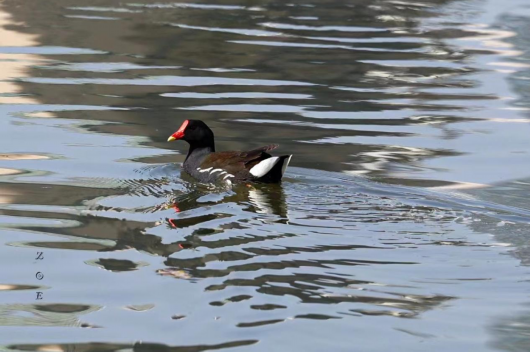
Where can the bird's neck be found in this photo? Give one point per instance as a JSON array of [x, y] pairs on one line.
[[198, 151]]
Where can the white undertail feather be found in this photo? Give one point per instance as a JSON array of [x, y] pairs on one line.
[[264, 166], [286, 163]]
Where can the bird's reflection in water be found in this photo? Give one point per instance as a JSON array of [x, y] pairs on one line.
[[265, 203], [261, 198]]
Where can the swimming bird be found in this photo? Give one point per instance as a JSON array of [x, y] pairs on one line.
[[208, 166]]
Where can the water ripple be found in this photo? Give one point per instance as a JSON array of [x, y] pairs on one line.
[[405, 119]]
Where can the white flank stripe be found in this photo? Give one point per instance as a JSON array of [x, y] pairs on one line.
[[204, 170], [229, 175], [264, 166], [215, 170]]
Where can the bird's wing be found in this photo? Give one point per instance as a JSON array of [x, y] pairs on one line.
[[237, 163]]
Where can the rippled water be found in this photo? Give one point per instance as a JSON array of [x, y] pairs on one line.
[[402, 224]]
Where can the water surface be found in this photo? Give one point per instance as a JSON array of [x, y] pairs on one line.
[[403, 220]]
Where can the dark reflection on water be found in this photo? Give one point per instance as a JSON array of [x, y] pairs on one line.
[[44, 314], [139, 257], [511, 333], [137, 347]]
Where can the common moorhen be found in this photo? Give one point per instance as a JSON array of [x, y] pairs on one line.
[[208, 166]]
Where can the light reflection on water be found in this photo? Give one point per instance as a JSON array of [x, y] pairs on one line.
[[373, 99]]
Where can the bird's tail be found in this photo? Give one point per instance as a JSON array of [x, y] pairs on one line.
[[271, 170]]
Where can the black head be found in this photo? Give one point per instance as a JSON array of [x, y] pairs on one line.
[[195, 132]]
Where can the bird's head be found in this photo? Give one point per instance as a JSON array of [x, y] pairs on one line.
[[193, 132]]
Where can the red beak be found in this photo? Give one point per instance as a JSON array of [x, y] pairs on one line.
[[180, 133]]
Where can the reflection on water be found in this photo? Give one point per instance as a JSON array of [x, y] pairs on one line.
[[371, 98], [44, 314], [136, 347]]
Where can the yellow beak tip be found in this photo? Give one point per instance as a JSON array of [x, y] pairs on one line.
[[171, 139]]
